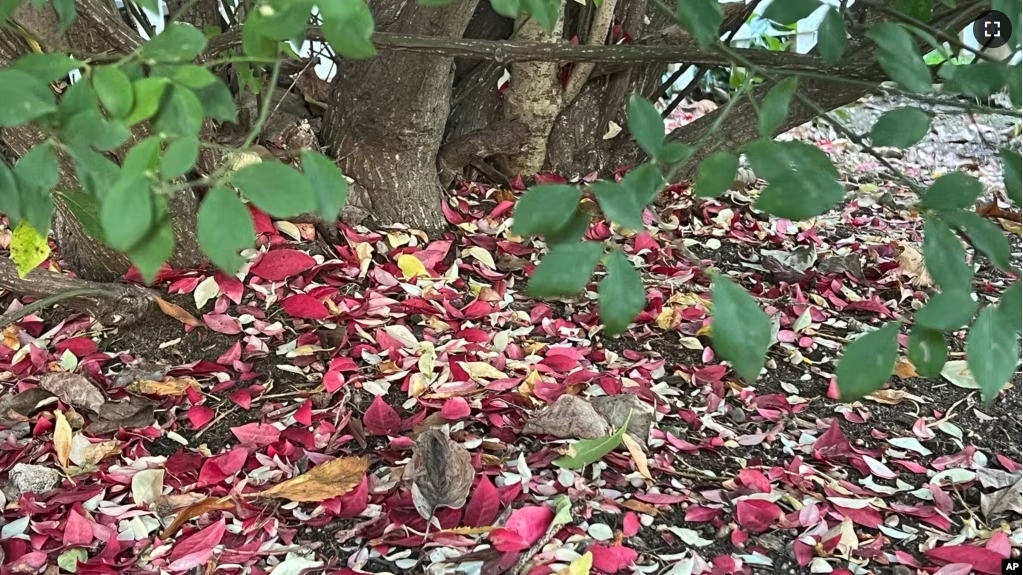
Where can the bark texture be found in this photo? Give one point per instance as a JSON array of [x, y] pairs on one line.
[[387, 115]]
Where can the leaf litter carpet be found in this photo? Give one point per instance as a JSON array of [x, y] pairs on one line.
[[313, 412]]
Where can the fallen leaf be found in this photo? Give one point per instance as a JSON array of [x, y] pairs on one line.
[[904, 369], [482, 255], [580, 566], [62, 436], [626, 407], [613, 130], [23, 405], [524, 527], [570, 417], [587, 451], [381, 419], [73, 389], [325, 481], [177, 312], [278, 265], [892, 396], [295, 564], [146, 486], [411, 267], [911, 264], [171, 387], [1007, 499], [441, 472], [195, 510], [482, 509], [636, 451]]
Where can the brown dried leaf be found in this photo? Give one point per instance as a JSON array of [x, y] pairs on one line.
[[25, 403], [441, 472], [177, 312], [325, 481], [617, 409], [904, 369], [1007, 499], [570, 417], [73, 389], [636, 451], [639, 507], [172, 387], [127, 414], [911, 264], [62, 437], [195, 510]]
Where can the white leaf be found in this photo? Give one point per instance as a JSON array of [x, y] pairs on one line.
[[147, 485], [205, 291], [402, 334], [911, 444], [482, 255], [613, 130], [294, 564], [600, 532]]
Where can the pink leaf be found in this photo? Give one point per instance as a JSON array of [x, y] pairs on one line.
[[256, 434], [630, 524], [482, 509], [204, 540], [1000, 544], [756, 515], [754, 479], [381, 419], [333, 381], [222, 323], [612, 559], [277, 265], [507, 540], [698, 514], [955, 569], [77, 530], [200, 415], [982, 560], [350, 504], [304, 414], [455, 409], [219, 468], [304, 306], [524, 527]]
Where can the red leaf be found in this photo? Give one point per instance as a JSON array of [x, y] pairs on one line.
[[333, 381], [698, 514], [200, 415], [229, 286], [222, 323], [304, 306], [304, 414], [955, 569], [256, 434], [756, 515], [524, 527], [277, 265], [1000, 544], [77, 530], [983, 560], [507, 540], [381, 419], [612, 559], [455, 408], [630, 524], [219, 468], [482, 509], [350, 504], [754, 479], [199, 543]]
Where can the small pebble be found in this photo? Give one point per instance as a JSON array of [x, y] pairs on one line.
[[738, 415]]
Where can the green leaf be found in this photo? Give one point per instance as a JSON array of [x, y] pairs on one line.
[[716, 174], [901, 127], [180, 115], [144, 157], [216, 98], [927, 351], [7, 7], [979, 79], [48, 67], [544, 209], [10, 197], [96, 172], [180, 157], [148, 95], [151, 5], [919, 9], [646, 125], [775, 105], [127, 212], [29, 248], [1016, 85], [868, 362], [114, 90], [1012, 175], [946, 311], [624, 202], [565, 270], [803, 183], [254, 44], [179, 42], [702, 19], [674, 153], [278, 190], [831, 37], [434, 2], [348, 27], [92, 129], [38, 173], [25, 98], [900, 58], [506, 8], [225, 228], [156, 247], [546, 12], [984, 235], [65, 13], [952, 191], [86, 209], [287, 21], [1010, 309], [992, 351], [945, 258], [740, 330], [571, 232], [622, 295], [790, 11], [588, 451], [329, 185], [1012, 9], [70, 559], [562, 510]]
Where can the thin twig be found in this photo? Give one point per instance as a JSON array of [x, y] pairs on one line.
[[47, 301]]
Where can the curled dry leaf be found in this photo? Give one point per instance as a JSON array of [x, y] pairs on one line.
[[62, 437], [325, 481], [171, 387], [904, 369], [911, 264], [570, 417], [441, 472], [893, 396], [195, 510], [177, 312], [73, 389], [619, 409], [21, 406], [1006, 499], [636, 451]]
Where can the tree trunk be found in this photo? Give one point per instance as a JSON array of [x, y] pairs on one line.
[[387, 114]]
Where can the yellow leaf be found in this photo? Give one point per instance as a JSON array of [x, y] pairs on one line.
[[638, 456], [469, 530], [904, 369], [172, 387], [365, 252], [704, 331], [482, 370], [62, 439], [482, 255], [411, 267], [29, 248], [580, 566], [325, 481]]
